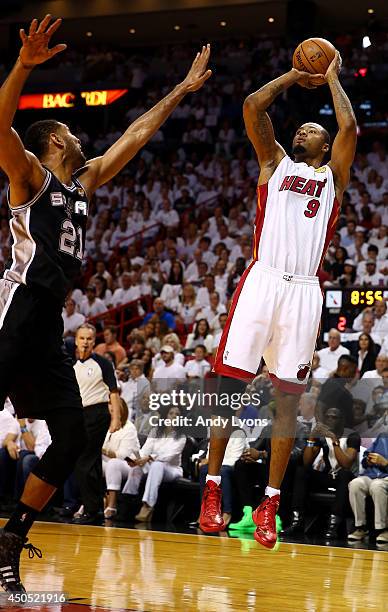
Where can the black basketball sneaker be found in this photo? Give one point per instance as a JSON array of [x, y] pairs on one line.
[[11, 546]]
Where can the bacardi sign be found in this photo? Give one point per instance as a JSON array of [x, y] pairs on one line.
[[69, 99]]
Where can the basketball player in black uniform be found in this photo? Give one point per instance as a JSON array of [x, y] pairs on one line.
[[50, 187]]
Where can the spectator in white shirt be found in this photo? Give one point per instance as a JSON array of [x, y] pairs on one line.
[[171, 339], [214, 310], [222, 235], [102, 291], [199, 366], [120, 237], [204, 292], [329, 356], [172, 289], [381, 364], [237, 252], [358, 250], [168, 216], [317, 371], [169, 375], [216, 220], [221, 273], [200, 335], [381, 238], [192, 272], [129, 290], [208, 194], [134, 388], [102, 271], [91, 306], [161, 458], [187, 308], [371, 278], [71, 318], [118, 448], [207, 256], [380, 325], [366, 328], [372, 255]]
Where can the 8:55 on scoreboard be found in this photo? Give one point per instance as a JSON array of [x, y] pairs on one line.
[[341, 306]]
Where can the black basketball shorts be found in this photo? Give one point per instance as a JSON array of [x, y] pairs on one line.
[[35, 370]]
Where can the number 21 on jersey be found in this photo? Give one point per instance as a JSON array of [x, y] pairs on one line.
[[70, 240]]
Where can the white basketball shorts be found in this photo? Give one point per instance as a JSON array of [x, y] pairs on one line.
[[274, 315]]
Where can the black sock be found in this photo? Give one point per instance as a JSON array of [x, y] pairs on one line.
[[21, 520]]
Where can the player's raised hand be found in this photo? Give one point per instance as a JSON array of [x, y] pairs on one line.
[[335, 66], [35, 48], [307, 80], [198, 72]]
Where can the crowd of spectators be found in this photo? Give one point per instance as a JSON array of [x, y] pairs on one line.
[[167, 242]]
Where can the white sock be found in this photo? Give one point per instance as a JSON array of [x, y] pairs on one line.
[[216, 479], [270, 491]]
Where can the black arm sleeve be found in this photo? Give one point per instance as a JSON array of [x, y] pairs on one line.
[[108, 373]]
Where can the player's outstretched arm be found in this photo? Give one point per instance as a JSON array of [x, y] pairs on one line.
[[344, 145], [258, 124], [99, 170], [23, 168]]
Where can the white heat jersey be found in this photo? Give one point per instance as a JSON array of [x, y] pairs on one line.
[[296, 216]]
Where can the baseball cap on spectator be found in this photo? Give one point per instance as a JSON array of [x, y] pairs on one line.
[[166, 349], [370, 261], [349, 262]]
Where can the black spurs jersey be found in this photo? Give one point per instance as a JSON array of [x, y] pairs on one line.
[[48, 237]]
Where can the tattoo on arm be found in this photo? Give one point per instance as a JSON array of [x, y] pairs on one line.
[[342, 104], [273, 89], [263, 127]]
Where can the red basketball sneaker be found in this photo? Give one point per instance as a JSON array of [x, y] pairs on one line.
[[210, 519], [265, 518]]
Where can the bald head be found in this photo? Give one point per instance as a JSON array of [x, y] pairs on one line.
[[334, 339]]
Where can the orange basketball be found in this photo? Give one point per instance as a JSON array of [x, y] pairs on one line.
[[313, 55]]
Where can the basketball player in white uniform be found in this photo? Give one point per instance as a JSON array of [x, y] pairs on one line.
[[276, 307]]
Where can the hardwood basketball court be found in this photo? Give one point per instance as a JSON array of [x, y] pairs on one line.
[[105, 568]]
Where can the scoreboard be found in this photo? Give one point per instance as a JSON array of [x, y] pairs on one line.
[[342, 305]]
